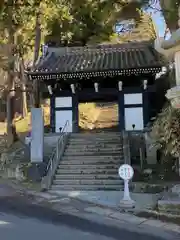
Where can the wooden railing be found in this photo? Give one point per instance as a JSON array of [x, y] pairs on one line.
[[55, 158]]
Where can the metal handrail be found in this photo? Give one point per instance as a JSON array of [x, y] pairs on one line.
[[55, 150], [55, 157]]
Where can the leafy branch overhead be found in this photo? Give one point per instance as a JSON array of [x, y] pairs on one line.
[[88, 20], [71, 21]]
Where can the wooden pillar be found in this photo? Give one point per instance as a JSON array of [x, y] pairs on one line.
[[52, 113], [145, 108], [37, 103], [75, 110]]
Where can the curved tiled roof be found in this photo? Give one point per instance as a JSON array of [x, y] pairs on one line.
[[100, 60]]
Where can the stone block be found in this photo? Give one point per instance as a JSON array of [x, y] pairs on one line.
[[98, 210], [172, 227], [176, 189], [36, 171], [169, 206], [128, 218], [127, 204], [154, 223]]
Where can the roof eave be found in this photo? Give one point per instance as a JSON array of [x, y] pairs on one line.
[[94, 74]]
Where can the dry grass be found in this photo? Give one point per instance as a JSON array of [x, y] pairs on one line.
[[23, 125], [88, 113], [92, 116]]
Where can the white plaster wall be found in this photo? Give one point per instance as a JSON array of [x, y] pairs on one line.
[[61, 117], [63, 102], [134, 116], [135, 98]]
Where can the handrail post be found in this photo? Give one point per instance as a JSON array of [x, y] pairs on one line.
[[57, 151]]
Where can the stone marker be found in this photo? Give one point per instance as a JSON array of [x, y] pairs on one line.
[[126, 172], [37, 135]]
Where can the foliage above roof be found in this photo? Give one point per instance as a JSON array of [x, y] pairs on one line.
[[143, 31], [170, 12], [91, 21]]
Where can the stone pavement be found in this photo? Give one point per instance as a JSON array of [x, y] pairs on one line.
[[8, 191], [112, 198], [85, 209]]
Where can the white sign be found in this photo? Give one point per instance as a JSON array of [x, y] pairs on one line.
[[126, 172]]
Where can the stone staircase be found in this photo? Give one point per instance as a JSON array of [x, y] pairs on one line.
[[90, 162]]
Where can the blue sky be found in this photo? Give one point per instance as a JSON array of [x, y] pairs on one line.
[[158, 19], [160, 23]]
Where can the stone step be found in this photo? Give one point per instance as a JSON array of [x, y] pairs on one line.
[[93, 151], [97, 154], [87, 176], [93, 145], [95, 134], [86, 147], [84, 158], [89, 166], [89, 162], [86, 187], [95, 140], [87, 171], [87, 182]]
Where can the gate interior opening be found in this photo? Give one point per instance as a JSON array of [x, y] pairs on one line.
[[98, 116]]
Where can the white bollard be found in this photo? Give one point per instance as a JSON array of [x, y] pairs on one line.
[[126, 172]]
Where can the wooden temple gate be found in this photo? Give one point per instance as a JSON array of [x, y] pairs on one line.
[[125, 73]]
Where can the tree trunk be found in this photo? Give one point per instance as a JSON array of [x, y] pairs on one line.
[[36, 96], [11, 129], [10, 110], [23, 88]]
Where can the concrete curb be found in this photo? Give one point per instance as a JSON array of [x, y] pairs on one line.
[[112, 213], [132, 219]]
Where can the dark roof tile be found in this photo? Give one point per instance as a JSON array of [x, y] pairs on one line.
[[102, 58]]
